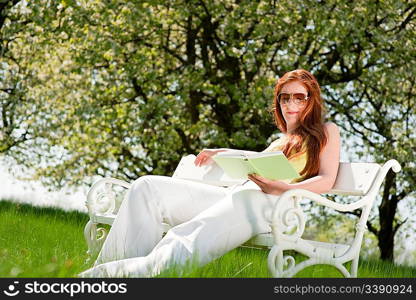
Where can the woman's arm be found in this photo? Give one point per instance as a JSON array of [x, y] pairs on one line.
[[328, 170]]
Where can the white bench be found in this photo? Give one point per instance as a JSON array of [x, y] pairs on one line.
[[288, 219]]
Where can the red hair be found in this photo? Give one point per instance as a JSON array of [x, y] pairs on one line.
[[311, 126]]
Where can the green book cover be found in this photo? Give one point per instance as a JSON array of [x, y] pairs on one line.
[[271, 165]]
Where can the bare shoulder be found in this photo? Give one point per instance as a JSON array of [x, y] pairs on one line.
[[332, 129]]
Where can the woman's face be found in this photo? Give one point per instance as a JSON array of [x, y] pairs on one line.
[[292, 110]]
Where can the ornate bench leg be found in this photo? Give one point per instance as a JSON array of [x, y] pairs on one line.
[[354, 267], [90, 234], [94, 237], [275, 261]]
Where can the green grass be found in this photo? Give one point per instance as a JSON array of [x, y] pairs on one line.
[[40, 242], [49, 242]]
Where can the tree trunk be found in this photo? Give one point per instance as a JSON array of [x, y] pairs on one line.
[[387, 211]]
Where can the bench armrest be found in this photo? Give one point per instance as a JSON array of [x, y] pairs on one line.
[[101, 197], [317, 198], [288, 218]]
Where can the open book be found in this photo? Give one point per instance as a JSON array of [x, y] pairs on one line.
[[271, 165], [209, 174]]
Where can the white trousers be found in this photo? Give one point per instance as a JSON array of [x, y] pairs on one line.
[[208, 221]]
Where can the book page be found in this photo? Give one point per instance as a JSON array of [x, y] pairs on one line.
[[276, 167], [236, 167], [209, 174], [265, 154], [237, 153], [248, 154]]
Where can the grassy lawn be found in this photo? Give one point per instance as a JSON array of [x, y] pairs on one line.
[[49, 242]]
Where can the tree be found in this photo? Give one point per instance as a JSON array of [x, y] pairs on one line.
[[381, 114], [379, 108], [12, 91], [131, 86]]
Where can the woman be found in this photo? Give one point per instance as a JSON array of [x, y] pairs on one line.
[[209, 221]]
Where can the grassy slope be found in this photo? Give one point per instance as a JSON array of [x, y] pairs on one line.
[[49, 242], [40, 242]]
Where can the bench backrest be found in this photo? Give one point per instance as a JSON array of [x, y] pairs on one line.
[[355, 178], [352, 178]]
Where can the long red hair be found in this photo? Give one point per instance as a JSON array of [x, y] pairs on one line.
[[311, 122]]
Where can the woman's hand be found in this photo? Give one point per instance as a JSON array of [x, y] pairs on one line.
[[274, 187], [205, 157]]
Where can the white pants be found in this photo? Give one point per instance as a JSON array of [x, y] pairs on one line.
[[208, 221]]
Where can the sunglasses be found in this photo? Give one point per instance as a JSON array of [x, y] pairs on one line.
[[297, 98]]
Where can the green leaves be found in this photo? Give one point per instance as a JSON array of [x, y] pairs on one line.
[[128, 87]]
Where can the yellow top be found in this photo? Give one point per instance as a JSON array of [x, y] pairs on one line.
[[298, 162]]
